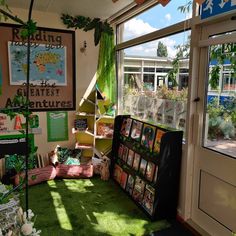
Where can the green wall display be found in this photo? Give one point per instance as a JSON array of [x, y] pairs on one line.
[[57, 126]]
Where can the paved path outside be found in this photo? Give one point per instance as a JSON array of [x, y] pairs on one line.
[[225, 146]]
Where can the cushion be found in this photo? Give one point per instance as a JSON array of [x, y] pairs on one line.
[[38, 175], [72, 161], [74, 171]]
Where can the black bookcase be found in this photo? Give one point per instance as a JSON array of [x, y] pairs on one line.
[[145, 162]]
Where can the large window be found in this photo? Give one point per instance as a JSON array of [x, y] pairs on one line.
[[153, 86]]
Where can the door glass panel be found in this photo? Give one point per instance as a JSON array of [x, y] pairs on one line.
[[220, 110]]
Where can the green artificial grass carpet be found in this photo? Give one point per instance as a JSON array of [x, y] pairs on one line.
[[87, 207]]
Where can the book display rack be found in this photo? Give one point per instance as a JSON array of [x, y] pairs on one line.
[[146, 163]]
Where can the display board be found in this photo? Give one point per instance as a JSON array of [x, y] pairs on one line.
[[52, 68], [146, 163], [15, 144], [57, 126]]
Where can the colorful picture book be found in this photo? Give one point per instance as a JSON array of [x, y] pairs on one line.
[[130, 158], [150, 171], [130, 184], [138, 190], [148, 135], [143, 165], [123, 179], [125, 127], [105, 129], [117, 173], [120, 151], [125, 153], [136, 130], [157, 142], [148, 199], [136, 161]]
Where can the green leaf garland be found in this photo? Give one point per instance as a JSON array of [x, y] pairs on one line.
[[86, 23]]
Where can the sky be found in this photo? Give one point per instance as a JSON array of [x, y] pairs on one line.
[[153, 19]]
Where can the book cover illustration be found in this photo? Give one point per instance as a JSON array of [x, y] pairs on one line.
[[117, 173], [138, 190], [105, 129], [136, 130], [148, 199], [125, 127], [136, 161], [130, 184], [148, 135], [143, 165], [123, 179], [157, 142], [130, 157], [81, 124], [150, 171], [155, 175], [120, 151], [125, 153]]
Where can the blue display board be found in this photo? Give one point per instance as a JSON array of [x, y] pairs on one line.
[[215, 7]]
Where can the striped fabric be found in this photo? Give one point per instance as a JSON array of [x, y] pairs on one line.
[[38, 175], [74, 171]]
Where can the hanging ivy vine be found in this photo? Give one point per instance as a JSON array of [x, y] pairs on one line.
[[86, 23]]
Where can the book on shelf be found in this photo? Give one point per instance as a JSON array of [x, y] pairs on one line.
[[120, 151], [81, 124], [148, 199], [130, 184], [125, 153], [138, 190], [157, 142], [148, 135], [105, 129], [123, 179], [155, 175], [125, 127], [117, 173], [136, 161], [143, 165], [130, 157], [150, 171], [136, 130]]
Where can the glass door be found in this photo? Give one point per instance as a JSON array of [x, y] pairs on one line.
[[214, 183]]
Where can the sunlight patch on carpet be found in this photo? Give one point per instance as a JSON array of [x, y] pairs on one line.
[[61, 212]]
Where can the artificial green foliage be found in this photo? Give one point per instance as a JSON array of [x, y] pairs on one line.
[[17, 105], [88, 207], [106, 78], [28, 28], [86, 23]]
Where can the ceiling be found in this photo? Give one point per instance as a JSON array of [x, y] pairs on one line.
[[92, 8]]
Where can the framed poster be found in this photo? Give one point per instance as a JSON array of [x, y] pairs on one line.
[[57, 126], [45, 62], [52, 68]]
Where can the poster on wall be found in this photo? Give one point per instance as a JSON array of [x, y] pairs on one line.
[[52, 68], [45, 62], [57, 126]]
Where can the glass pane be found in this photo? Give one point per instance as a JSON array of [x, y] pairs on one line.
[[220, 114], [155, 18], [157, 94]]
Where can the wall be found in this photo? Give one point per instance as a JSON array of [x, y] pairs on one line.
[[86, 64]]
